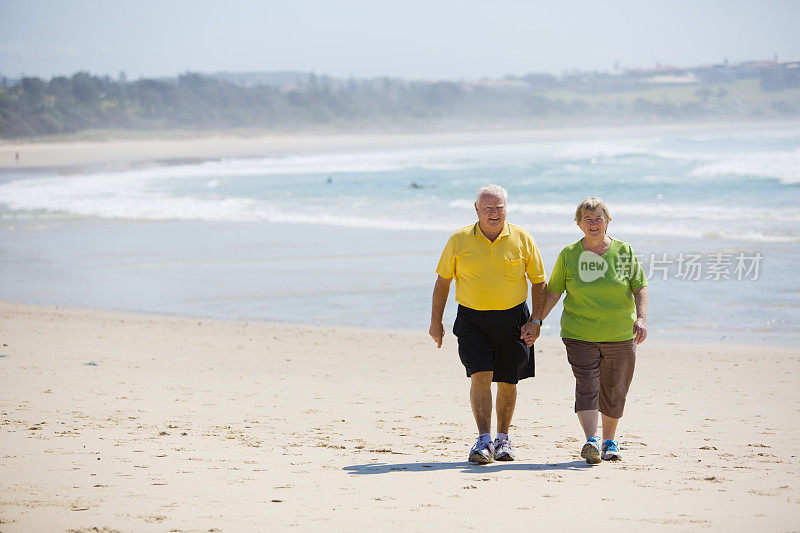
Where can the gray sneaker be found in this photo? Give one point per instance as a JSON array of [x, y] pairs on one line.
[[482, 453], [503, 451]]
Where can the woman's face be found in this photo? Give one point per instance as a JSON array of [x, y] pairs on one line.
[[593, 223]]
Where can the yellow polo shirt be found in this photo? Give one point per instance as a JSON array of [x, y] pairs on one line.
[[491, 275]]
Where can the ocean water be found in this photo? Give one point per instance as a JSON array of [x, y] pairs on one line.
[[353, 238]]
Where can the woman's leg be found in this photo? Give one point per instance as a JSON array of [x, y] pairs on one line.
[[616, 373], [609, 427], [585, 360], [584, 357], [588, 420]]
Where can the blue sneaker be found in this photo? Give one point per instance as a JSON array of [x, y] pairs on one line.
[[591, 450], [610, 451]]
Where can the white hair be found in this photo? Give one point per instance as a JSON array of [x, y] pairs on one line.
[[494, 190]]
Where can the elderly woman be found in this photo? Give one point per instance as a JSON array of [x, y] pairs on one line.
[[604, 319]]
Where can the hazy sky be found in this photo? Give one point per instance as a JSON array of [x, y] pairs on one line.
[[433, 39]]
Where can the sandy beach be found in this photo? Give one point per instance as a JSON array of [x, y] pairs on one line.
[[123, 422], [132, 422], [69, 153]]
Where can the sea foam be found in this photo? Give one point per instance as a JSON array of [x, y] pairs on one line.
[[783, 166]]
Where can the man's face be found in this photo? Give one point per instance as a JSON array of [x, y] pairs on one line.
[[491, 211]]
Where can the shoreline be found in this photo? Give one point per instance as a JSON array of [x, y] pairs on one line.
[[122, 422], [71, 154]]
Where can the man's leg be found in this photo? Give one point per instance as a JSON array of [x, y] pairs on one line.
[[480, 397], [506, 401]]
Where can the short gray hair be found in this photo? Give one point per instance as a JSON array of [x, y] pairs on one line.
[[592, 203], [494, 190]]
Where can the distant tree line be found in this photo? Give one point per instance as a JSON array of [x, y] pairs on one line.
[[32, 106]]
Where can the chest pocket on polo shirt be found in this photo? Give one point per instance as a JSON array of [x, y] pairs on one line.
[[515, 269]]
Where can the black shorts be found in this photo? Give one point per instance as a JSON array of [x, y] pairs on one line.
[[489, 340]]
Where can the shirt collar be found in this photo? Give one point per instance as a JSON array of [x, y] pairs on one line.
[[476, 230]]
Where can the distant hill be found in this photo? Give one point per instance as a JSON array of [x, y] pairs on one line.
[[267, 79], [302, 101]]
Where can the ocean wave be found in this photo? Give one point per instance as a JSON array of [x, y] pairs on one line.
[[96, 196], [139, 205], [450, 158], [783, 166], [748, 134], [539, 159], [604, 149], [113, 196], [621, 149], [439, 159], [569, 156], [656, 209], [668, 231]]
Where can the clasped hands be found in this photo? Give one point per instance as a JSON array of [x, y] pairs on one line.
[[529, 332]]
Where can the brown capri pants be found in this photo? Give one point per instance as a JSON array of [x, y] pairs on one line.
[[603, 372]]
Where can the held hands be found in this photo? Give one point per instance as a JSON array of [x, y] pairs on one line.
[[437, 333], [529, 332], [640, 330]]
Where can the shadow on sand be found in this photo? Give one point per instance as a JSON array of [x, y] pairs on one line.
[[464, 466]]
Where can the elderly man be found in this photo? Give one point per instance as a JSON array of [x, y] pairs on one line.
[[489, 261]]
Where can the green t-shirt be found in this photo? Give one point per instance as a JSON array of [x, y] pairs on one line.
[[599, 306]]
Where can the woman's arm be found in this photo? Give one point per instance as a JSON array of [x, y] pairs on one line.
[[640, 325]]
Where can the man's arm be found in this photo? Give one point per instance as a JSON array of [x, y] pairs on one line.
[[441, 290], [530, 330], [550, 302], [537, 299], [640, 326]]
